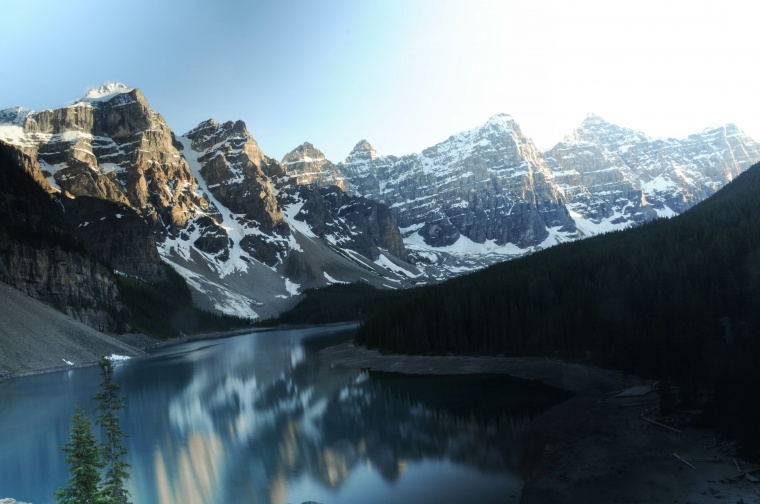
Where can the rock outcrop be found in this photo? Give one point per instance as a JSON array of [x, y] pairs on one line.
[[308, 166], [236, 171], [117, 235], [112, 146], [345, 221]]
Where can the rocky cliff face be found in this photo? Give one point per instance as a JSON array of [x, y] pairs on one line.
[[117, 235], [40, 254], [112, 146], [614, 176], [236, 171], [487, 184], [308, 166], [344, 221], [237, 175]]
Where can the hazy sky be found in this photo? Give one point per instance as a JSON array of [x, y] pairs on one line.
[[404, 74]]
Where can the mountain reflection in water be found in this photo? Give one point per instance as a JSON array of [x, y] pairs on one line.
[[258, 418]]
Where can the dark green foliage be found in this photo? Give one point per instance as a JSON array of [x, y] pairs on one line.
[[109, 402], [85, 463], [651, 300], [87, 459], [165, 310], [334, 303]]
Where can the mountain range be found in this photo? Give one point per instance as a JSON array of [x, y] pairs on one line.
[[250, 233], [489, 193]]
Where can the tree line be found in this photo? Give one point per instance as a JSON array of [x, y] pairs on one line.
[[334, 303]]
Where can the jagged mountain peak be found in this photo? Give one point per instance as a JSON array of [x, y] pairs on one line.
[[364, 150], [211, 132], [592, 118], [497, 128], [208, 123], [595, 129], [500, 129], [595, 123], [362, 145], [305, 152], [212, 124], [107, 91], [502, 120], [308, 165]]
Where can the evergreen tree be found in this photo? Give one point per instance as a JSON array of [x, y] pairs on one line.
[[84, 458], [113, 451]]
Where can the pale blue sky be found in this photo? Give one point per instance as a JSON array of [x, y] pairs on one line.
[[405, 74]]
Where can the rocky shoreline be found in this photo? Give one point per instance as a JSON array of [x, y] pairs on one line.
[[35, 337], [597, 446]]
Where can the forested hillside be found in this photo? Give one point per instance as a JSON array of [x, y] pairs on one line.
[[334, 303], [676, 299]]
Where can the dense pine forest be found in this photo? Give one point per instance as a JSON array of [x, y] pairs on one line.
[[675, 299], [334, 303]]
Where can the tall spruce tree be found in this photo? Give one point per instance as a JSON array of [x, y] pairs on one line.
[[109, 402], [85, 461]]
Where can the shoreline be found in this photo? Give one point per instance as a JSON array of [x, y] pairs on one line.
[[576, 378], [142, 345], [10, 375], [595, 446]]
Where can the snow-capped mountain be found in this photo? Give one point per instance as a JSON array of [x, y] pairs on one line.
[[489, 184], [250, 233], [488, 194], [110, 145], [614, 177], [482, 196], [226, 216]]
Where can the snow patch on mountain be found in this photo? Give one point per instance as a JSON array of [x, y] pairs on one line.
[[222, 298], [465, 246], [292, 287], [384, 262], [13, 134], [588, 227], [331, 280], [106, 92]]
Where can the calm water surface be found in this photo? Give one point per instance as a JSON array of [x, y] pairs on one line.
[[258, 419]]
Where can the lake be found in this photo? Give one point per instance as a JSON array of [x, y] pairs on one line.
[[259, 418]]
